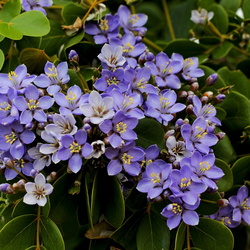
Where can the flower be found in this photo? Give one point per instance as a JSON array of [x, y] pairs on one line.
[[241, 205], [37, 191], [36, 5], [201, 16]]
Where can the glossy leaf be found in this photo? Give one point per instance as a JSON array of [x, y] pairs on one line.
[[21, 208], [74, 40], [35, 248], [220, 19], [232, 5], [71, 11], [184, 47], [246, 8], [9, 31], [158, 235], [226, 182], [1, 59], [51, 235], [180, 236], [222, 50], [18, 232], [46, 208], [10, 9], [34, 59], [100, 230], [149, 132], [241, 170], [126, 234], [208, 203], [211, 234]]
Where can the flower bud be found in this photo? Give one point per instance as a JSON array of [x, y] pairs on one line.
[[212, 79], [150, 56], [219, 98], [209, 94], [33, 172], [222, 202], [6, 188], [182, 94], [30, 125], [204, 99], [194, 86], [73, 56], [189, 109], [220, 135]]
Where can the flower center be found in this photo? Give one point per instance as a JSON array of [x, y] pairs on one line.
[[155, 178], [5, 106], [11, 138], [176, 208], [204, 166], [71, 97], [104, 25], [185, 182], [121, 127], [126, 158], [32, 104], [244, 204], [75, 147]]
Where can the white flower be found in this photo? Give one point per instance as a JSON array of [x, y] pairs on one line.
[[201, 16], [37, 191]]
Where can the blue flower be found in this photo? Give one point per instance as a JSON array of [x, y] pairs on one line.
[[36, 5]]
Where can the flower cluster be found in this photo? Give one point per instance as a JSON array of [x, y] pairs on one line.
[[45, 123]]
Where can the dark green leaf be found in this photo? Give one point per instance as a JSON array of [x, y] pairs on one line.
[[184, 47], [158, 235], [149, 131], [18, 232], [208, 203], [22, 208], [241, 170], [51, 235], [74, 40], [220, 19], [71, 11], [246, 8], [236, 79], [222, 50], [46, 208], [211, 234], [180, 236], [35, 248], [34, 59], [232, 5], [244, 67], [226, 182], [136, 200], [205, 3], [1, 59], [126, 234]]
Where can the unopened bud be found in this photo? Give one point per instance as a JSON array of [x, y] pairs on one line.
[[204, 99], [182, 94], [194, 86], [33, 172], [30, 126], [41, 125], [212, 79], [51, 176], [150, 56], [222, 202], [21, 183], [189, 109], [220, 135], [73, 56], [6, 188], [219, 98], [209, 94]]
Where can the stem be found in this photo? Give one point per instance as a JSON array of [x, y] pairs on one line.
[[38, 228], [170, 26], [152, 44], [84, 85], [21, 174], [241, 51], [188, 239], [132, 9], [208, 201], [92, 6], [55, 7], [10, 49]]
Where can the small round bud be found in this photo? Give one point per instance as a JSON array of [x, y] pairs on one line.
[[6, 188], [51, 176], [212, 79], [150, 56], [158, 199], [194, 86], [204, 99], [220, 135], [138, 39], [219, 98], [33, 172], [209, 94], [73, 56], [41, 125], [189, 109], [30, 126], [222, 202], [21, 183], [182, 94]]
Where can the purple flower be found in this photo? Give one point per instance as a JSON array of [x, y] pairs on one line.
[[36, 5], [32, 106], [127, 157], [74, 148], [17, 80], [111, 56], [197, 137], [37, 191], [177, 211], [8, 111], [184, 187], [105, 29], [241, 205], [204, 169], [14, 138], [120, 129], [53, 78], [98, 109], [164, 71], [151, 154], [162, 106], [155, 179], [190, 70], [70, 103], [201, 16], [208, 111], [132, 22]]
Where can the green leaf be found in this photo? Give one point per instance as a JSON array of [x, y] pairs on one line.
[[205, 3], [222, 50], [208, 203], [232, 5], [185, 47], [237, 107], [51, 235], [1, 59], [31, 23], [236, 79], [46, 208], [18, 232], [226, 182], [126, 234], [241, 170], [75, 39], [211, 234], [244, 67], [158, 235], [220, 19], [180, 236], [35, 248], [34, 59], [9, 31], [22, 208], [246, 8], [71, 11], [149, 131], [224, 149], [10, 9]]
